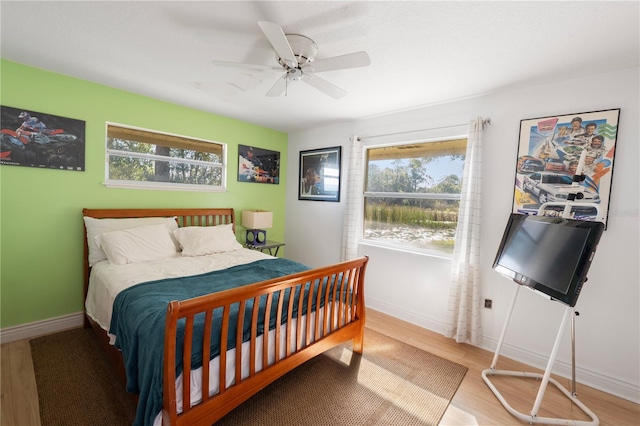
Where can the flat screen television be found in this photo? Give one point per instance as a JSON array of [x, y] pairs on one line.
[[549, 254]]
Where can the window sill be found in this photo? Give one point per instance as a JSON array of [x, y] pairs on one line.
[[407, 249], [161, 186]]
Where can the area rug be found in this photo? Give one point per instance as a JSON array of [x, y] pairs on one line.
[[76, 383], [392, 383]]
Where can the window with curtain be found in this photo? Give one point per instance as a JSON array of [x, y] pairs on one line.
[[141, 158], [412, 194]]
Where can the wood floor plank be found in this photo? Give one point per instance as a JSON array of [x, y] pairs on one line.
[[6, 398], [25, 393]]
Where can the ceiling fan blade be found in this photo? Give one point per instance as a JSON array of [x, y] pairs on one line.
[[279, 42], [246, 66], [324, 86], [350, 60], [278, 88]]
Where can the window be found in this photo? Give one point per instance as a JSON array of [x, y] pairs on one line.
[[412, 194], [139, 158]]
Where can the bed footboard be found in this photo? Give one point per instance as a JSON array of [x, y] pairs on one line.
[[326, 308]]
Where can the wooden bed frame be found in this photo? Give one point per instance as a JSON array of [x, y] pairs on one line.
[[343, 320]]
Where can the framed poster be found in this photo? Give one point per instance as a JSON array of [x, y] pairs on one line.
[[37, 139], [319, 178], [549, 153], [258, 165]]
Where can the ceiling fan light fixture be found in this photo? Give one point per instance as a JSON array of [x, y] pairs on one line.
[[295, 74], [304, 49]]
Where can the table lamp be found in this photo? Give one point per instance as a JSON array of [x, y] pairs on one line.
[[256, 221]]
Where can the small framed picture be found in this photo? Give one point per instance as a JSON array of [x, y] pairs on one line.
[[258, 165], [549, 153], [319, 178]]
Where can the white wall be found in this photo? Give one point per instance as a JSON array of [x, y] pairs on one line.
[[415, 287]]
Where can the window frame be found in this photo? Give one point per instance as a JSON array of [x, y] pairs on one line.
[[164, 186], [398, 141]]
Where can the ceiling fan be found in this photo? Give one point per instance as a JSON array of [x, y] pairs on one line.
[[295, 54]]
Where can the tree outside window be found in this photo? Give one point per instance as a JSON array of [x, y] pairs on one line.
[[139, 156], [412, 194]]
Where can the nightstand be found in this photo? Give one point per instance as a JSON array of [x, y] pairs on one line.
[[268, 245]]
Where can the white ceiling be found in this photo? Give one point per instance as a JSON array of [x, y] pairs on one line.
[[422, 52]]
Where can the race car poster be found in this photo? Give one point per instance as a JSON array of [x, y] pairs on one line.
[[258, 165], [550, 151], [36, 139]]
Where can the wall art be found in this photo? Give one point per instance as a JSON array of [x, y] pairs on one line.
[[319, 178], [258, 165], [549, 151], [37, 139]]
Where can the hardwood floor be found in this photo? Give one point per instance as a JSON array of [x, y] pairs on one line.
[[19, 394], [473, 404]]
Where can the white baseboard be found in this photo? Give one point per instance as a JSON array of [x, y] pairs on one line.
[[404, 315], [619, 387], [39, 328]]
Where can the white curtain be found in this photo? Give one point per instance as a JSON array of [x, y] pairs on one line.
[[463, 319], [353, 215]]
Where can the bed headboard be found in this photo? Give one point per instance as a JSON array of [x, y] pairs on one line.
[[185, 217]]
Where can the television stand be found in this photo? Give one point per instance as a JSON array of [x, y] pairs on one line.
[[532, 417]]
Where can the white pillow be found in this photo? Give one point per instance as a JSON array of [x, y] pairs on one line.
[[136, 245], [203, 240], [96, 227]]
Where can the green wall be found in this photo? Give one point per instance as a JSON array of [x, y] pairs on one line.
[[41, 210]]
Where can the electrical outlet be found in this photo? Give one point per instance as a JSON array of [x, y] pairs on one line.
[[488, 303]]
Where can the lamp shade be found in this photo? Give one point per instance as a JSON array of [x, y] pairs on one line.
[[257, 219]]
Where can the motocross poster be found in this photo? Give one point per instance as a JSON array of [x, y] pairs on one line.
[[37, 139], [550, 152]]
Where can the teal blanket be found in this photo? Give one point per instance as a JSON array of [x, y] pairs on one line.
[[138, 323]]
